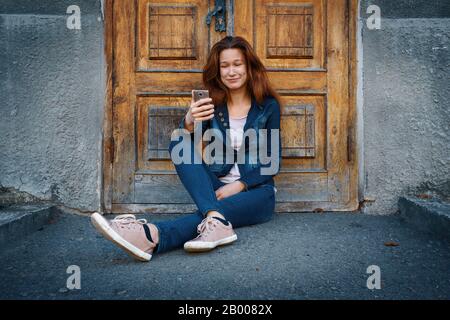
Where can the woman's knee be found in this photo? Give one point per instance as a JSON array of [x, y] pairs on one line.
[[253, 215], [267, 211]]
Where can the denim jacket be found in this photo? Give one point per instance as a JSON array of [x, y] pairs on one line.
[[260, 116]]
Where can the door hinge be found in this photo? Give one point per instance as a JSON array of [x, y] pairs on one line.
[[350, 144], [219, 12]]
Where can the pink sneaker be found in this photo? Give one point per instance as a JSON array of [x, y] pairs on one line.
[[128, 233], [212, 233]]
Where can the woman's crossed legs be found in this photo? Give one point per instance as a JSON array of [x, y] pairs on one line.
[[140, 239]]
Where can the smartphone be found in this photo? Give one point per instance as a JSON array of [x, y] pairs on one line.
[[200, 94]]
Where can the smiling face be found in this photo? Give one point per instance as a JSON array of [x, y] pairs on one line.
[[233, 69]]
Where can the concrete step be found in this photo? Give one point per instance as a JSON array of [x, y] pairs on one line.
[[430, 215], [12, 196], [17, 221]]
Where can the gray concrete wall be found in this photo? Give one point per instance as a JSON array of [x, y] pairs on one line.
[[406, 92], [52, 88]]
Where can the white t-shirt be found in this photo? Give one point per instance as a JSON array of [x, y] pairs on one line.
[[236, 135]]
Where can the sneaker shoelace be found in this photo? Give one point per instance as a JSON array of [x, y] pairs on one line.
[[128, 220], [206, 226]]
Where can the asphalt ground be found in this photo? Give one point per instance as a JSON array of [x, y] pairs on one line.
[[295, 256]]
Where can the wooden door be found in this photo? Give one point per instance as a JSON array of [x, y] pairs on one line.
[[159, 49]]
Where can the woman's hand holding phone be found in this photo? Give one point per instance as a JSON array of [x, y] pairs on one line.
[[200, 110]]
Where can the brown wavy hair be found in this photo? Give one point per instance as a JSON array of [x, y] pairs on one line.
[[258, 84]]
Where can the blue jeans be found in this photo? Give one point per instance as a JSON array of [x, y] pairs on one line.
[[242, 209]]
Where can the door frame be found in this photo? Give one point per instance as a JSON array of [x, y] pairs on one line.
[[353, 144]]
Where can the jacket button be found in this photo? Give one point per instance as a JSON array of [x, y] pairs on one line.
[[222, 119], [220, 114], [225, 124]]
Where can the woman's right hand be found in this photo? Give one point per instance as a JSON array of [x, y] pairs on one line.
[[200, 110]]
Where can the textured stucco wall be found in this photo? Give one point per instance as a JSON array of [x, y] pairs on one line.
[[52, 88], [406, 107]]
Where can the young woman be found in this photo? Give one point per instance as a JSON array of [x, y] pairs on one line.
[[227, 195]]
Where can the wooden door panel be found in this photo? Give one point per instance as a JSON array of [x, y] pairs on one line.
[[157, 116], [290, 34], [171, 36], [160, 188], [302, 187], [303, 124], [304, 166]]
